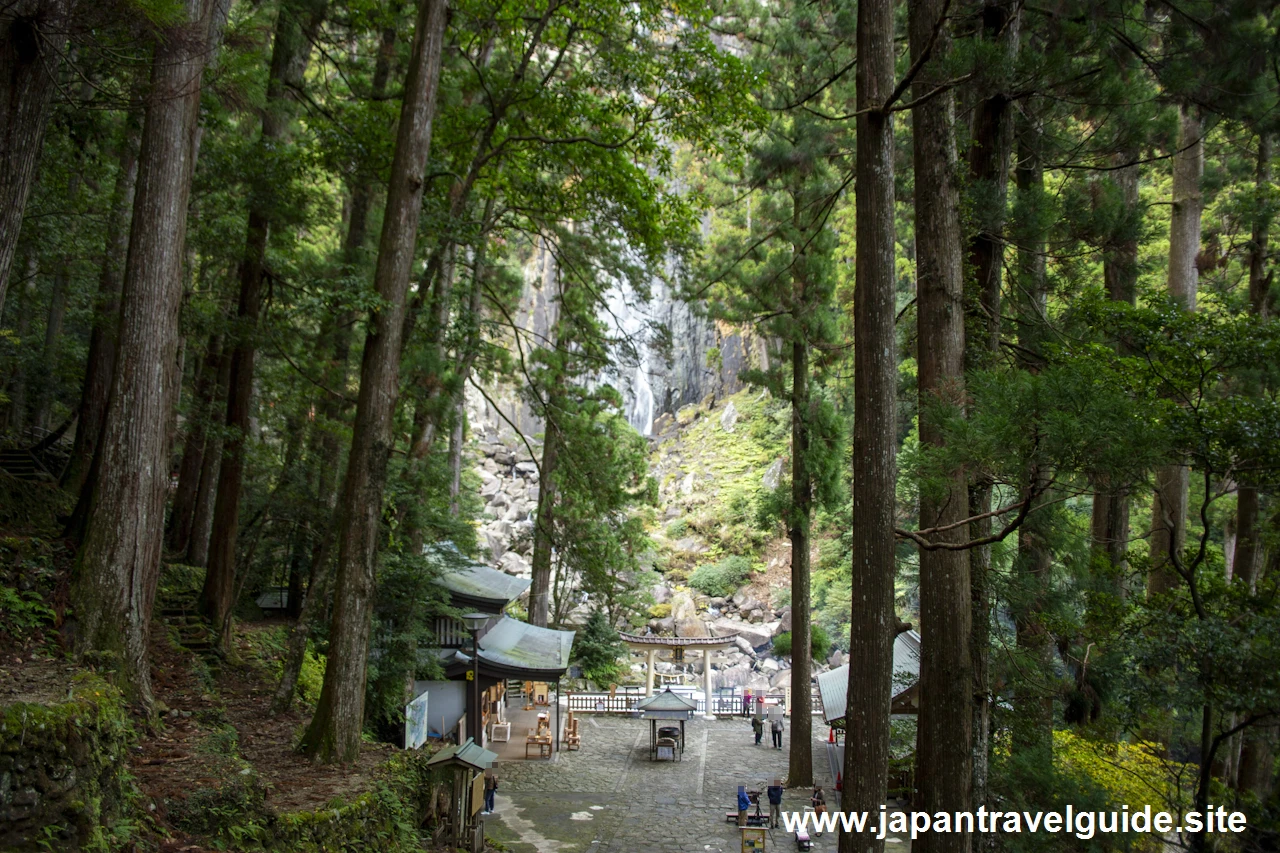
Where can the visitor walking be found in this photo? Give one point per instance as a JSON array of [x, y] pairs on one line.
[[775, 728], [746, 704], [490, 789], [757, 725], [775, 802], [744, 803]]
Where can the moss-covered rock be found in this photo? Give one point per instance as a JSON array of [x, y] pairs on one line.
[[389, 817], [63, 775]]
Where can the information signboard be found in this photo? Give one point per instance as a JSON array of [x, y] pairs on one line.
[[753, 839], [415, 723]]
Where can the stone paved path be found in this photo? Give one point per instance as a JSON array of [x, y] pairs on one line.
[[609, 796]]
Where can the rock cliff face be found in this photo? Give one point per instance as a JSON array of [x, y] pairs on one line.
[[668, 353]]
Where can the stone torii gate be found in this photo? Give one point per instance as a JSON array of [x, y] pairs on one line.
[[650, 645]]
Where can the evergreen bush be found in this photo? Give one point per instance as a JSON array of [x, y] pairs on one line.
[[722, 578]]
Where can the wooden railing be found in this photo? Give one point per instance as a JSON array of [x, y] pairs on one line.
[[625, 703]]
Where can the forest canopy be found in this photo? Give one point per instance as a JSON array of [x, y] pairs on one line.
[[278, 277]]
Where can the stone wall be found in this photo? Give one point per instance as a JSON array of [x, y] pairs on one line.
[[63, 767]]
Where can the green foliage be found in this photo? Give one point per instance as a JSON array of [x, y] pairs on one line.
[[600, 651], [409, 600], [819, 643], [722, 578], [23, 615]]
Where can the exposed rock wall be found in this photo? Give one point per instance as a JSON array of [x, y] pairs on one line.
[[62, 768]]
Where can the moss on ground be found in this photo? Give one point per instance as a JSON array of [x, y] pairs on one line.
[[64, 769]]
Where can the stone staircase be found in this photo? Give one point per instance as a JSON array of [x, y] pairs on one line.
[[181, 612]]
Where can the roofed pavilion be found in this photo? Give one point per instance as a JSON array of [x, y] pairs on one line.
[[650, 644]]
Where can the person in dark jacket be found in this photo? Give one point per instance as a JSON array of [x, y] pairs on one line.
[[757, 725], [490, 790], [776, 728], [775, 803]]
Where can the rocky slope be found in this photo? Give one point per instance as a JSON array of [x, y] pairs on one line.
[[715, 462]]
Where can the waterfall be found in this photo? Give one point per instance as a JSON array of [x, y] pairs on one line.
[[641, 413]]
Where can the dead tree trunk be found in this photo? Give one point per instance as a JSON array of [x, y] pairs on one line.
[[866, 757], [334, 733]]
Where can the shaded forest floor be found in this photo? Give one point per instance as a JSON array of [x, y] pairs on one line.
[[216, 732]]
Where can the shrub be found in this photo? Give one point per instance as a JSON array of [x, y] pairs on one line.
[[677, 529], [660, 611], [722, 578], [819, 643], [599, 650]]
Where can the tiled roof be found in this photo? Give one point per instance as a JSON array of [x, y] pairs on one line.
[[518, 644], [472, 581], [833, 686], [469, 753], [672, 642], [666, 701]]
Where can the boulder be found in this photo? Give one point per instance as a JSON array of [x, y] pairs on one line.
[[513, 564], [491, 466], [756, 615], [744, 647], [686, 485], [772, 475], [737, 675], [515, 512], [691, 545], [770, 665], [661, 593], [682, 606], [784, 624], [665, 626], [729, 418], [755, 635], [836, 659], [491, 488], [527, 468], [499, 499], [504, 458], [780, 679], [485, 476], [691, 628], [662, 423]]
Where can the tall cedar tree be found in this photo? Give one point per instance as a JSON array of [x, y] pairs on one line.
[[872, 632], [334, 733], [945, 728], [33, 35], [119, 561], [296, 25]]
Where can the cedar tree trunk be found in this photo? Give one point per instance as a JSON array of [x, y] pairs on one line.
[[334, 733], [866, 754]]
